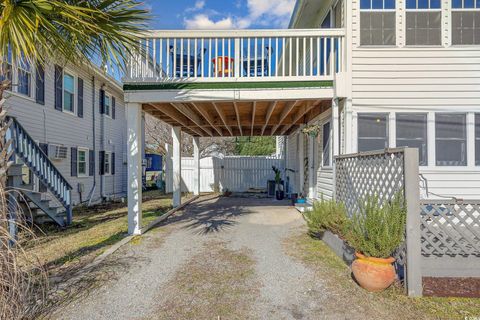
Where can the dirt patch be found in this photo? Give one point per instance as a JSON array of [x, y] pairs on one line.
[[452, 287], [390, 304], [216, 284]]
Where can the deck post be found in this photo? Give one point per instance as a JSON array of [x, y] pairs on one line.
[[412, 199], [335, 139], [311, 167], [177, 166], [196, 166], [134, 161]]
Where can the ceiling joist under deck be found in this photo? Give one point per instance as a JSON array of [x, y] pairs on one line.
[[238, 118]]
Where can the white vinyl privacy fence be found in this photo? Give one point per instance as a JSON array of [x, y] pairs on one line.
[[237, 174]]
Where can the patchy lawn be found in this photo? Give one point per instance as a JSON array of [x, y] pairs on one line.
[[391, 303], [93, 230], [217, 283]]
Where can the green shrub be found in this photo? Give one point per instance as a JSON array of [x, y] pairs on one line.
[[326, 215], [378, 230]]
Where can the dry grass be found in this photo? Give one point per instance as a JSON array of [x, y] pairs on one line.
[[93, 230], [216, 284], [392, 303]]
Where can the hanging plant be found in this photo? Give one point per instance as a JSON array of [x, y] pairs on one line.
[[311, 130]]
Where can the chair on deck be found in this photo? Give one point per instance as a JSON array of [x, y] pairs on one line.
[[188, 68], [258, 71]]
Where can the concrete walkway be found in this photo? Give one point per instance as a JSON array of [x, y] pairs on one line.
[[220, 258]]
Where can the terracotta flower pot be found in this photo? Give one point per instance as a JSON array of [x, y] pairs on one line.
[[373, 274]]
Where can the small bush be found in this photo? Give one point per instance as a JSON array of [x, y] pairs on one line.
[[327, 215], [378, 230]]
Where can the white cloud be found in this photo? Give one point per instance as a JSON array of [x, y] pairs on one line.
[[199, 5], [274, 13], [202, 21]]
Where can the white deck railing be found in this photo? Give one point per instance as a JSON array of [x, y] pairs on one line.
[[239, 55]]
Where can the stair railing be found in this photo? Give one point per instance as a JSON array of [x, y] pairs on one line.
[[33, 156]]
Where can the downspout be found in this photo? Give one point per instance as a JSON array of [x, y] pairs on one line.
[[92, 191]]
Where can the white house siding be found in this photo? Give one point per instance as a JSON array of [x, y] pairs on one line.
[[420, 79], [47, 125]]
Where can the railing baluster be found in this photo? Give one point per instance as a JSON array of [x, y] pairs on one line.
[[181, 58], [325, 42], [284, 43], [210, 57], [276, 56], [203, 55], [311, 56], [195, 57], [318, 57], [256, 56], [304, 56], [270, 57], [230, 73], [248, 57], [188, 57]]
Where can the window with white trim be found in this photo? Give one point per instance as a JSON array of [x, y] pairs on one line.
[[465, 22], [451, 139], [412, 132], [108, 163], [108, 105], [68, 92], [372, 131], [423, 22], [82, 162], [24, 77], [377, 22], [477, 139]]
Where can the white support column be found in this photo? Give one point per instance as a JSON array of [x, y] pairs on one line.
[[311, 168], [134, 160], [177, 166], [196, 166], [335, 128], [301, 163], [335, 134]]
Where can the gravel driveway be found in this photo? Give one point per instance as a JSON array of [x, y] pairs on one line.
[[220, 258]]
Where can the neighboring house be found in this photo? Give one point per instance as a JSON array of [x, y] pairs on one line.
[[412, 79], [76, 115]]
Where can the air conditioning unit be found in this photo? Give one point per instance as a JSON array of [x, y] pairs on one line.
[[57, 152]]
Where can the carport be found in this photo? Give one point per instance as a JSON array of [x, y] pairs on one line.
[[287, 93]]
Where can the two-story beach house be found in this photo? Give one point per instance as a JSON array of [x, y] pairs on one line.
[[346, 77], [69, 131]]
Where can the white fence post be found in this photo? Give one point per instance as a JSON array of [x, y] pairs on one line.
[[412, 198]]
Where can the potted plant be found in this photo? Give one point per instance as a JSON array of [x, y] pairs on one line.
[[375, 233], [279, 193], [311, 130]]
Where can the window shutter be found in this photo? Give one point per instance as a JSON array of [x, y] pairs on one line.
[[113, 107], [91, 162], [80, 98], [113, 163], [73, 163], [101, 162], [101, 101], [40, 85], [58, 87]]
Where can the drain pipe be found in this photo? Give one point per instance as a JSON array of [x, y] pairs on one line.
[[92, 191]]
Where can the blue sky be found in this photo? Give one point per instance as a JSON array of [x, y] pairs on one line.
[[220, 14]]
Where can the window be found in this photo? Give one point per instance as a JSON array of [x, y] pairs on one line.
[[107, 105], [423, 22], [412, 132], [107, 163], [68, 92], [6, 69], [82, 162], [372, 131], [451, 139], [326, 144], [477, 139], [465, 22], [377, 22], [24, 78]]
